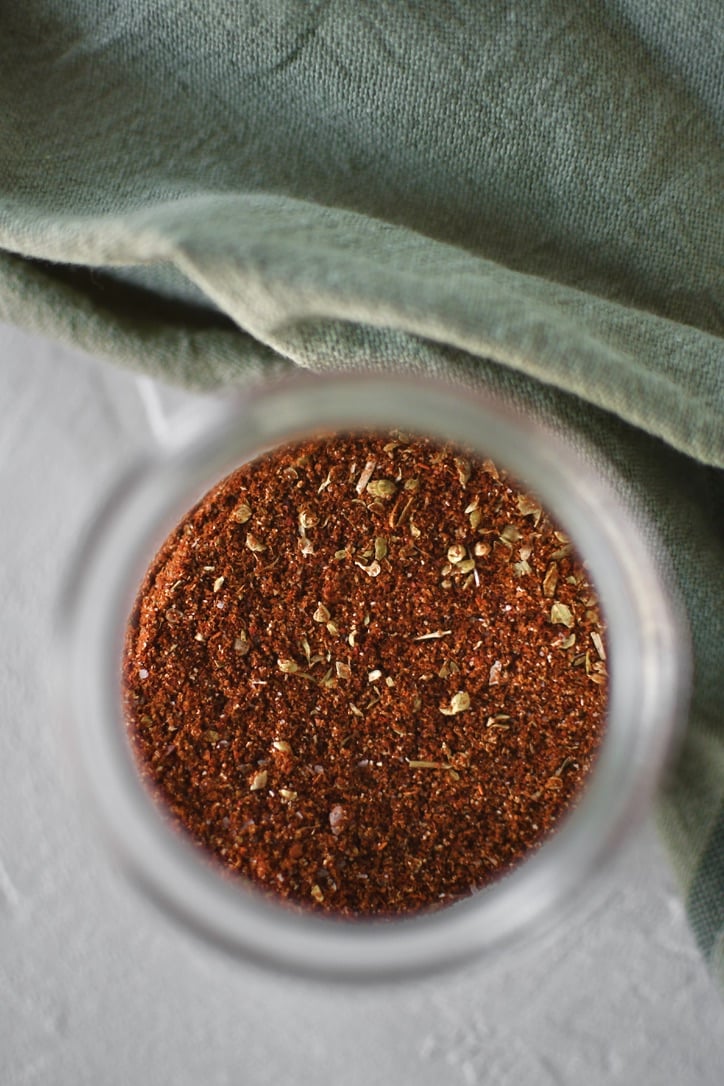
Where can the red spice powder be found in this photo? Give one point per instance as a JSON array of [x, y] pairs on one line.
[[367, 673]]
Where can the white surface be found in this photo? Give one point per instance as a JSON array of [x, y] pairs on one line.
[[97, 987]]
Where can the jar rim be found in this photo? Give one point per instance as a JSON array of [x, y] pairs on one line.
[[648, 650]]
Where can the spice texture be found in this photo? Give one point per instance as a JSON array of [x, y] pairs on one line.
[[366, 672]]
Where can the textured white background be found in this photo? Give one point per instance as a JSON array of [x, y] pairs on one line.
[[97, 987]]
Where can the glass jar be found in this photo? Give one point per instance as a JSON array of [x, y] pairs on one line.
[[647, 649]]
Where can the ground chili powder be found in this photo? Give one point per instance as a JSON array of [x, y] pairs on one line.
[[366, 672]]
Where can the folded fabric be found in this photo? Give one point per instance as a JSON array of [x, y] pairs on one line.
[[527, 196]]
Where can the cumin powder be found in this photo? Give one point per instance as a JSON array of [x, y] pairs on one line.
[[367, 673]]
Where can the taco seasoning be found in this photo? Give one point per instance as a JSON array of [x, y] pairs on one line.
[[366, 673]]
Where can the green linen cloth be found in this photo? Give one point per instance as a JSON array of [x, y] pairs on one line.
[[525, 195]]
